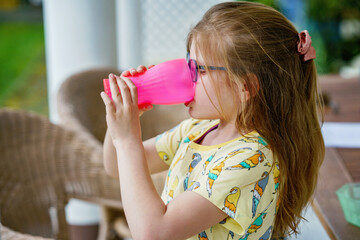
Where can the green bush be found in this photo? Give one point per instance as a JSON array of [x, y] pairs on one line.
[[22, 72]]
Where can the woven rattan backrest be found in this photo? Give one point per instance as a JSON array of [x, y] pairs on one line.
[[29, 180], [42, 165], [79, 103]]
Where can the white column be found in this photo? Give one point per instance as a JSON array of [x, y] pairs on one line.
[[79, 35], [129, 33]]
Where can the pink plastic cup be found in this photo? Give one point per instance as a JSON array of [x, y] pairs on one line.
[[167, 83]]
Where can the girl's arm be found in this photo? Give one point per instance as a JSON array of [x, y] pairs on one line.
[[154, 161], [109, 156]]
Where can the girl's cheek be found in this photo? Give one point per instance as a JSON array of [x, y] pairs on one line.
[[197, 92]]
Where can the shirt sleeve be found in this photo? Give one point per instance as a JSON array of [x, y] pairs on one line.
[[237, 184], [168, 142]]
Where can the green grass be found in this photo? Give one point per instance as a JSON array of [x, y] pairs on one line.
[[22, 71]]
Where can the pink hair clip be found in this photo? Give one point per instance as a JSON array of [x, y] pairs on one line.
[[304, 48]]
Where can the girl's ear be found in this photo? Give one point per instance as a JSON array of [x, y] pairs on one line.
[[246, 92], [255, 85]]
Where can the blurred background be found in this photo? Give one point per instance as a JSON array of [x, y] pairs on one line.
[[43, 42], [22, 56]]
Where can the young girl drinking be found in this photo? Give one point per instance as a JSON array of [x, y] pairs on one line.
[[245, 164]]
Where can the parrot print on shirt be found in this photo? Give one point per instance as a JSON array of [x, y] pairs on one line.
[[263, 142], [215, 171], [249, 163], [167, 179], [254, 226], [170, 170], [259, 140], [196, 158], [237, 151], [172, 189], [231, 234], [164, 156], [257, 223], [259, 189], [191, 137], [203, 236], [177, 160], [206, 163], [267, 234], [193, 185], [212, 176], [231, 202], [276, 176]]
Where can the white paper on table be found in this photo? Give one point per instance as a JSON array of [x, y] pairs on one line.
[[341, 134]]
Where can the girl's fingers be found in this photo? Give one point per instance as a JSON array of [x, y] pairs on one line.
[[141, 69], [116, 95], [133, 90], [108, 103], [125, 73], [150, 66], [125, 91], [133, 71]]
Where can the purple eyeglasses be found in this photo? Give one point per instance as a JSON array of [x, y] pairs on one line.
[[194, 67]]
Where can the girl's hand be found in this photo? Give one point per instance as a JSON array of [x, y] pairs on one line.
[[122, 114], [133, 72]]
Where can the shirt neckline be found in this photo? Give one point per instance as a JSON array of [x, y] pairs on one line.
[[197, 146]]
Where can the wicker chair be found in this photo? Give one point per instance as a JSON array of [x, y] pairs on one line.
[[8, 234], [81, 108], [42, 166]]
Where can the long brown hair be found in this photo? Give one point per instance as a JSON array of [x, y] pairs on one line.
[[257, 44]]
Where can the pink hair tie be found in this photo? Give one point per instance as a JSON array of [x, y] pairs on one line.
[[304, 48]]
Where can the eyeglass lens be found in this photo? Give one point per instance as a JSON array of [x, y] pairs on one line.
[[193, 70]]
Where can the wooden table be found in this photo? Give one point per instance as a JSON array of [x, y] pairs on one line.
[[333, 175], [341, 165]]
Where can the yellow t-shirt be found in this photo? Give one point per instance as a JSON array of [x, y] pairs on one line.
[[237, 176]]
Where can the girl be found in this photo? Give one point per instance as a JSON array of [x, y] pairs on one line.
[[245, 164]]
